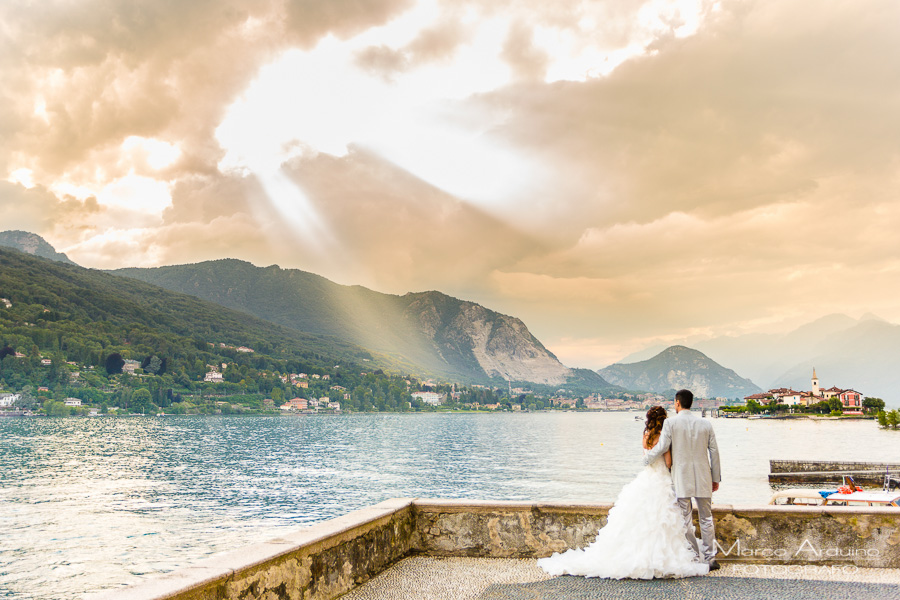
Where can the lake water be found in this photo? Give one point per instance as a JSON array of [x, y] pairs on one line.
[[88, 504]]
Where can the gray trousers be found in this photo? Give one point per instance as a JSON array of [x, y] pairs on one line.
[[707, 527]]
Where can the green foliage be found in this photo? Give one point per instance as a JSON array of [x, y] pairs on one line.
[[754, 407], [823, 407], [873, 405], [882, 418], [114, 363], [142, 401], [893, 419], [836, 406]]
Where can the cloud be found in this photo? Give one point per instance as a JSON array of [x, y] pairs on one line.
[[38, 210], [401, 233], [311, 19], [612, 173]]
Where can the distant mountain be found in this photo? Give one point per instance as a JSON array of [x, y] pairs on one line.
[[846, 353], [765, 357], [680, 367], [644, 354], [422, 332], [862, 357], [32, 243]]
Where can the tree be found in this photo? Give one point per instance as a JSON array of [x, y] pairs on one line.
[[754, 407], [893, 419], [141, 401], [152, 365], [114, 363], [6, 351], [873, 405], [882, 418], [822, 407], [836, 405]]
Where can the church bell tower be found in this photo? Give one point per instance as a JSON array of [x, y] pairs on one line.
[[815, 384]]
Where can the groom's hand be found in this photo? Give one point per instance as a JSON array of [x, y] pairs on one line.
[[715, 486]]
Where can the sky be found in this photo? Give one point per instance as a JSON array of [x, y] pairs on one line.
[[617, 174]]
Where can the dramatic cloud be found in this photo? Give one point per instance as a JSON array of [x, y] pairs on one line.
[[617, 174]]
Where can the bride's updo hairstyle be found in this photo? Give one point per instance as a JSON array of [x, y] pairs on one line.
[[654, 423]]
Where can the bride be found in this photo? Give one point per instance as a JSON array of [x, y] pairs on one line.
[[644, 533]]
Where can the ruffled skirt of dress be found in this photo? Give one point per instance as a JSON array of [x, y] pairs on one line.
[[643, 538]]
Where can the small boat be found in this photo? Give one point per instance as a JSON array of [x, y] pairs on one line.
[[848, 494], [882, 498], [797, 497]]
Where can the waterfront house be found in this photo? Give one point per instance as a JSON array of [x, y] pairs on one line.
[[72, 402], [432, 398], [213, 377], [295, 404], [851, 399], [8, 399], [764, 398]]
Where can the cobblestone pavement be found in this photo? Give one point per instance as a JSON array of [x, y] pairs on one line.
[[432, 578]]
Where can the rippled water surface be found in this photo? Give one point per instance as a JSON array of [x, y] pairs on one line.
[[87, 504]]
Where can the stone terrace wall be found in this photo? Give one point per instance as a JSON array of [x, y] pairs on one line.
[[326, 560], [863, 537], [316, 563]]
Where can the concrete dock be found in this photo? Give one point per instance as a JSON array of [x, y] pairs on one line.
[[799, 472], [433, 578]]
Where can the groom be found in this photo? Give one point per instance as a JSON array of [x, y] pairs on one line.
[[695, 470]]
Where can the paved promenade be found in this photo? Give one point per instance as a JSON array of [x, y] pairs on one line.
[[431, 578]]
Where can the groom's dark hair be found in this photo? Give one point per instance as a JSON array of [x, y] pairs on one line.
[[685, 398]]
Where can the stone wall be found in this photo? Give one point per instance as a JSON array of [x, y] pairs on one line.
[[504, 529], [316, 563], [326, 560], [864, 537]]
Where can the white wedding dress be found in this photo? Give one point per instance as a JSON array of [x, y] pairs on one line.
[[643, 538]]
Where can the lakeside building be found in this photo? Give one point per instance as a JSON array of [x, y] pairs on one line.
[[7, 399], [214, 377], [432, 398], [295, 404], [850, 398], [72, 402]]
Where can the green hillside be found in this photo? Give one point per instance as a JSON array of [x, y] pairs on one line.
[[427, 332], [86, 315]]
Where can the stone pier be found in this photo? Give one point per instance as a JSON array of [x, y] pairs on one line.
[[329, 559]]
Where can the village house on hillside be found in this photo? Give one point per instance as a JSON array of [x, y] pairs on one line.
[[850, 398]]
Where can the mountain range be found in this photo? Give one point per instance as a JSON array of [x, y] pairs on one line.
[[846, 353], [433, 333], [428, 333], [680, 367]]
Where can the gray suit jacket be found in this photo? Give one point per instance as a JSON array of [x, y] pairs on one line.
[[695, 454]]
